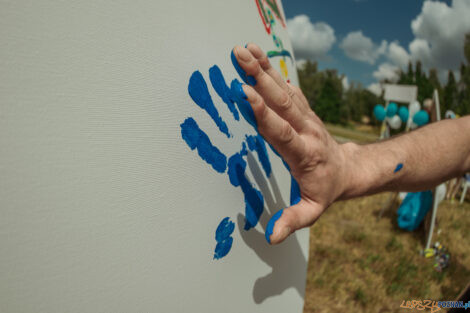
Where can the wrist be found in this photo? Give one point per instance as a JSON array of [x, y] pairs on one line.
[[356, 175]]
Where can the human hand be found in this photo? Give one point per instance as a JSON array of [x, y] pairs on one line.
[[285, 120]]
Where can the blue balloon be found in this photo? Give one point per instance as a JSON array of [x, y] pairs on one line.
[[392, 109], [379, 112], [403, 114], [421, 118]]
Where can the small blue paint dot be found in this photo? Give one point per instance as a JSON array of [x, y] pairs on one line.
[[398, 168]]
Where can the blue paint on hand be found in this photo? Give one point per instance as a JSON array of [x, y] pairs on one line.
[[197, 139], [294, 191], [223, 237], [243, 105], [271, 223], [198, 91], [224, 92], [246, 78], [398, 168], [257, 143]]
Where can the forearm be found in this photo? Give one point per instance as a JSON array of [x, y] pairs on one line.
[[429, 155]]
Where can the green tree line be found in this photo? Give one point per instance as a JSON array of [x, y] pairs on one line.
[[335, 104]]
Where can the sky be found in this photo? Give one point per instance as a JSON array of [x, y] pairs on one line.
[[369, 40]]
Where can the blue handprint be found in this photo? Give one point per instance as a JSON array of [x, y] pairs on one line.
[[235, 165]]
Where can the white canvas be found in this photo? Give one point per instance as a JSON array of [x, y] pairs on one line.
[[104, 207]]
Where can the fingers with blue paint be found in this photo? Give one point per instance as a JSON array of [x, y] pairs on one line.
[[277, 131], [277, 95]]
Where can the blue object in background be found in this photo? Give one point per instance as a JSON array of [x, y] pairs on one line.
[[413, 209], [379, 112], [421, 118], [403, 114], [392, 109]]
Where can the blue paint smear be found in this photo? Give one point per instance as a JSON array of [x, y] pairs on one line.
[[197, 139], [198, 91], [254, 201], [224, 92], [223, 237], [234, 162], [243, 105], [246, 78], [294, 191], [256, 143], [398, 168], [271, 223]]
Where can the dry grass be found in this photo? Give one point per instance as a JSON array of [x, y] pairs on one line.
[[359, 264]]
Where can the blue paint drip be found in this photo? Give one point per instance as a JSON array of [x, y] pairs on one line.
[[294, 191], [223, 237], [197, 139], [218, 82], [246, 78], [271, 223], [256, 143], [198, 91], [243, 105], [398, 168]]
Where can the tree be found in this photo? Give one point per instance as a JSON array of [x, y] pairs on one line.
[[450, 94]]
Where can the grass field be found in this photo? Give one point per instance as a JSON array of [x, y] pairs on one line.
[[358, 263]]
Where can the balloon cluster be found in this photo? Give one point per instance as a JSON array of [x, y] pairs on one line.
[[394, 116]]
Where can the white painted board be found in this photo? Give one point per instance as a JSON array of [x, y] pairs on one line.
[[104, 207]]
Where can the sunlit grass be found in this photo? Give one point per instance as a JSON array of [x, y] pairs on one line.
[[360, 264]]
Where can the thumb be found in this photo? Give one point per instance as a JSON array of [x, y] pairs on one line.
[[287, 221]]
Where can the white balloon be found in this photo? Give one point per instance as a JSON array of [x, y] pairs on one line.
[[394, 122], [413, 125], [413, 108]]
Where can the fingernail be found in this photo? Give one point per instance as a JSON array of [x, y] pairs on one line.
[[242, 103], [238, 89], [271, 223], [246, 78]]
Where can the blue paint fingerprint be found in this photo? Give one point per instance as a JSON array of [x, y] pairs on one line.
[[254, 201], [236, 162], [294, 191], [246, 78], [224, 92], [398, 168], [223, 237], [243, 105], [197, 139], [198, 91], [256, 143], [271, 223]]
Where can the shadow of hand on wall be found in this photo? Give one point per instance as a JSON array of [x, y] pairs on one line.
[[287, 260]]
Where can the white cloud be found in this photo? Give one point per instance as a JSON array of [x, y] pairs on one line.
[[386, 71], [398, 55], [375, 88], [439, 34], [310, 41], [361, 48]]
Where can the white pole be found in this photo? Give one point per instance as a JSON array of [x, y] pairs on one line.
[[435, 204]]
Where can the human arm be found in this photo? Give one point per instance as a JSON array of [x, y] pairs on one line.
[[327, 171]]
